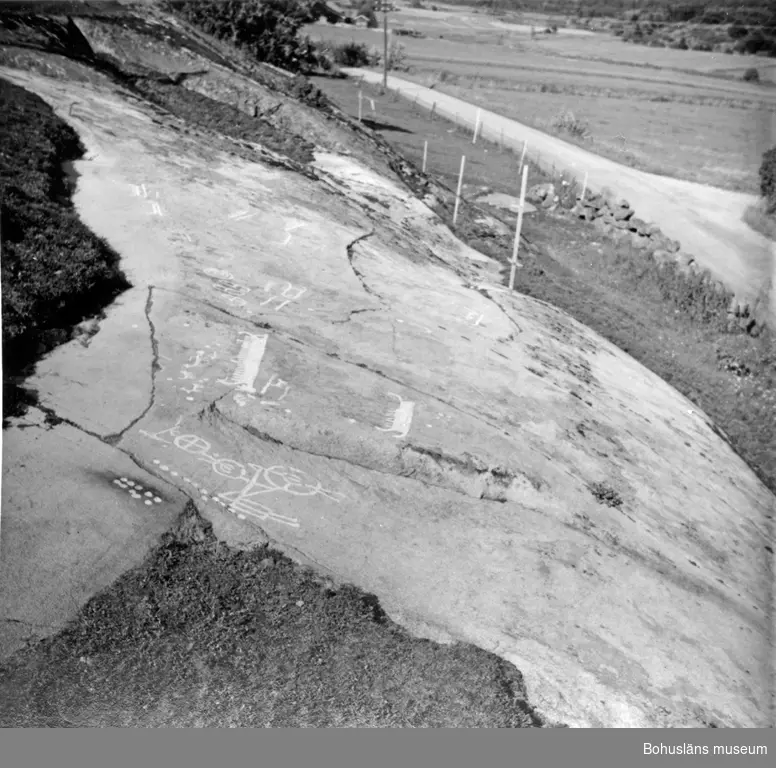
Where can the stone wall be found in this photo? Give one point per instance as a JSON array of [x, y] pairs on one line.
[[615, 218]]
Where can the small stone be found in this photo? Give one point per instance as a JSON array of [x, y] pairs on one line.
[[540, 192]]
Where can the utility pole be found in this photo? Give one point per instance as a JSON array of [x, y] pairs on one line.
[[385, 44]]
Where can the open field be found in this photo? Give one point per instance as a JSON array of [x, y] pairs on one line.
[[648, 117]]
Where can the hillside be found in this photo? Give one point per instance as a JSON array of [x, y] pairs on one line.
[[505, 519]]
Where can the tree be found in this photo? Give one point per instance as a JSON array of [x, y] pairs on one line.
[[268, 29]]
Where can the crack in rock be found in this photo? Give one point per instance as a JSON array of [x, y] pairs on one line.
[[155, 367], [470, 475], [215, 413], [354, 312], [484, 292], [349, 248], [377, 372]]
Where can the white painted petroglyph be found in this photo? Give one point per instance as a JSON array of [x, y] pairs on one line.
[[289, 228], [248, 362], [242, 215], [256, 482], [225, 283], [135, 490], [221, 274], [172, 431], [275, 382], [474, 317], [197, 360], [287, 295], [401, 419]]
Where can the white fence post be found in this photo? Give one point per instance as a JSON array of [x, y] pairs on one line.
[[458, 193], [425, 154], [518, 228], [522, 156]]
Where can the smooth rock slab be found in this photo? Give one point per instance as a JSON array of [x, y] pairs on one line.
[[493, 470]]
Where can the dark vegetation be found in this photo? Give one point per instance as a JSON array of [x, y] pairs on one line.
[[604, 494], [352, 54], [55, 272], [205, 112], [207, 636], [768, 179], [267, 29]]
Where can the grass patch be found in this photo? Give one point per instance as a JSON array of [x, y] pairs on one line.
[[758, 218], [206, 636], [654, 134], [55, 272], [213, 115], [606, 495]]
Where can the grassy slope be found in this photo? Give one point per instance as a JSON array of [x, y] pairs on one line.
[[669, 322], [205, 636], [55, 271]]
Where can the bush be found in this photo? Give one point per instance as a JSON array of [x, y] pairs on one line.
[[737, 31], [268, 29], [397, 57], [752, 75], [352, 55], [768, 179], [568, 122]]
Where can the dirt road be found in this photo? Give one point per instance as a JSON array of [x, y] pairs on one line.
[[707, 221]]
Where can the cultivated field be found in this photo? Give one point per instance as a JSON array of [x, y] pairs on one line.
[[679, 113]]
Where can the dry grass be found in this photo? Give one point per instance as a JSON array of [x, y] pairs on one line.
[[757, 217]]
